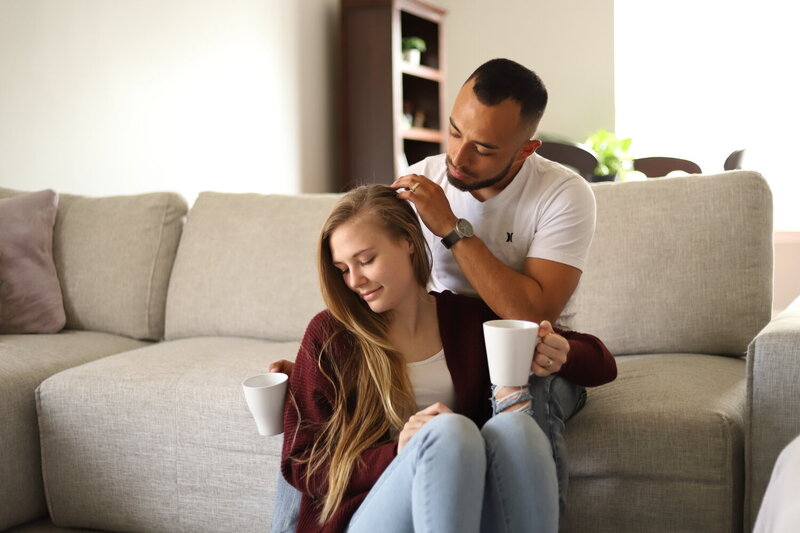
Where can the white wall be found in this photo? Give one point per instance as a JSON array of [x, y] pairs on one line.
[[100, 97], [569, 43]]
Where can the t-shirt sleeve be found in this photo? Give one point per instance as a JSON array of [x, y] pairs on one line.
[[565, 229]]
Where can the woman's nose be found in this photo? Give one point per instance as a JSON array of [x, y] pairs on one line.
[[356, 278]]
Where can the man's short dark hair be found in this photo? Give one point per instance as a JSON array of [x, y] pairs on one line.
[[500, 79]]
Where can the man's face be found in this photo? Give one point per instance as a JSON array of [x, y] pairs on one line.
[[484, 142]]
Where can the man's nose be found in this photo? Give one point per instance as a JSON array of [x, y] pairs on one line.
[[461, 158]]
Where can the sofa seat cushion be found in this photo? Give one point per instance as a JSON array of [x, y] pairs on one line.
[[661, 447], [25, 361], [45, 526], [160, 439]]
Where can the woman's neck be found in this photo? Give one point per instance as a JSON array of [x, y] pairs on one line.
[[414, 328]]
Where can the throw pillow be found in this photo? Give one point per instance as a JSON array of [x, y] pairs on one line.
[[30, 294]]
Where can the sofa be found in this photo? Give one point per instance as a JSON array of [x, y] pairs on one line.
[[132, 417]]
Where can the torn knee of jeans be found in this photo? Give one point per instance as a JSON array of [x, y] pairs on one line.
[[518, 400]]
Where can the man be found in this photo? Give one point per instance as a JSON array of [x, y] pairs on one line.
[[533, 220], [503, 224]]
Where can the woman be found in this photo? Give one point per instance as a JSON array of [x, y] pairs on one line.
[[388, 425]]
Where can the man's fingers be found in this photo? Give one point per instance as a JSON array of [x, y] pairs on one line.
[[407, 181]]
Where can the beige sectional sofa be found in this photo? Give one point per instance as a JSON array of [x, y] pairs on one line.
[[132, 419]]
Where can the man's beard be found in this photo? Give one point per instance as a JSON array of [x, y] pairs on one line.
[[458, 184]]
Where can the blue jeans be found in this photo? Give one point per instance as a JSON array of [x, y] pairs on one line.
[[454, 477], [555, 400]]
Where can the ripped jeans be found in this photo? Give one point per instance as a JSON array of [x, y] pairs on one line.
[[554, 400]]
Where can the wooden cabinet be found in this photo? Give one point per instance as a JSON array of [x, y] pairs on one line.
[[392, 112]]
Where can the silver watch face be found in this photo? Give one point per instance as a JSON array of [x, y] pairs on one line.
[[464, 228]]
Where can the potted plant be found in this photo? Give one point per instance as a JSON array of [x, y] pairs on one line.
[[612, 154], [413, 48]]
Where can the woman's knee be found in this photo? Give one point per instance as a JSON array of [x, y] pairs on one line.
[[517, 430], [455, 432]]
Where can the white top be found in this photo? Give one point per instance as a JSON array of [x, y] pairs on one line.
[[547, 212], [432, 382]]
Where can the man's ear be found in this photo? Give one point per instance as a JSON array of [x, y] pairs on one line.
[[528, 148]]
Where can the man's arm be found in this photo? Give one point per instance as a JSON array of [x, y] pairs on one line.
[[539, 293]]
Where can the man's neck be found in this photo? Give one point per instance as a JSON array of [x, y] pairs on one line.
[[490, 192]]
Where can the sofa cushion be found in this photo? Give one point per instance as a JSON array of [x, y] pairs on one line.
[[114, 256], [25, 361], [663, 444], [679, 265], [30, 295], [246, 266], [160, 439]]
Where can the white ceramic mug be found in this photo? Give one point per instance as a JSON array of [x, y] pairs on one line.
[[509, 350], [265, 395]]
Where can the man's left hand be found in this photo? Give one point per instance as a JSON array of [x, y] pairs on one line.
[[429, 199]]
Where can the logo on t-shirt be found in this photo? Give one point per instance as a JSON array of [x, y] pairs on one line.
[[509, 236]]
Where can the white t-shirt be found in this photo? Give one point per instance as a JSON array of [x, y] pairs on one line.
[[547, 212], [432, 382]]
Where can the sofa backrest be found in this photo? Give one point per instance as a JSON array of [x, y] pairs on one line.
[[113, 256], [246, 267], [679, 264]]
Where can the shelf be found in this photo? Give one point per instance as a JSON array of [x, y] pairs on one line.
[[421, 71], [422, 134], [382, 95]]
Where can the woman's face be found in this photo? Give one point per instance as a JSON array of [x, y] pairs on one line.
[[374, 265]]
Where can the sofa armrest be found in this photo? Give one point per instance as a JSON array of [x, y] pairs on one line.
[[773, 402]]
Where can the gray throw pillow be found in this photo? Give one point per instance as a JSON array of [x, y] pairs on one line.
[[30, 294]]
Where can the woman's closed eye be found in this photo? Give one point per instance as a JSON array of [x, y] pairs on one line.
[[367, 261]]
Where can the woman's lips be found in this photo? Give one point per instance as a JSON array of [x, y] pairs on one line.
[[371, 295]]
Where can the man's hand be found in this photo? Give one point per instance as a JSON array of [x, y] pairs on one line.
[[281, 366], [418, 420], [551, 351], [431, 203]]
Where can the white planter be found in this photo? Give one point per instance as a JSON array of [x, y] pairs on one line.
[[412, 56]]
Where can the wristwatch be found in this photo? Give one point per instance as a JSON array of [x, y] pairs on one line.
[[462, 230]]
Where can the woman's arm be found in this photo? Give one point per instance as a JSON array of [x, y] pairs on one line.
[[589, 363], [309, 404]]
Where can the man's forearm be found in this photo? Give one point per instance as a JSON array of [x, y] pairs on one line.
[[508, 293]]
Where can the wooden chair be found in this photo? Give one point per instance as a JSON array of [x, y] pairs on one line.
[[571, 155], [655, 167], [734, 161]]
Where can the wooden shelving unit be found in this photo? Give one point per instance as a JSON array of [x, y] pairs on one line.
[[393, 112]]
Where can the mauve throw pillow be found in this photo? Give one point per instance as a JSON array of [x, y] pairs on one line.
[[30, 294]]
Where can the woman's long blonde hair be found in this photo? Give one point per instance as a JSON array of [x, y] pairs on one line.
[[374, 397]]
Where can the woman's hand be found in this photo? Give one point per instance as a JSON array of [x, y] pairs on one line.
[[551, 351], [281, 366], [418, 420]]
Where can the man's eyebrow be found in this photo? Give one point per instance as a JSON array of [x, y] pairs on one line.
[[485, 145]]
